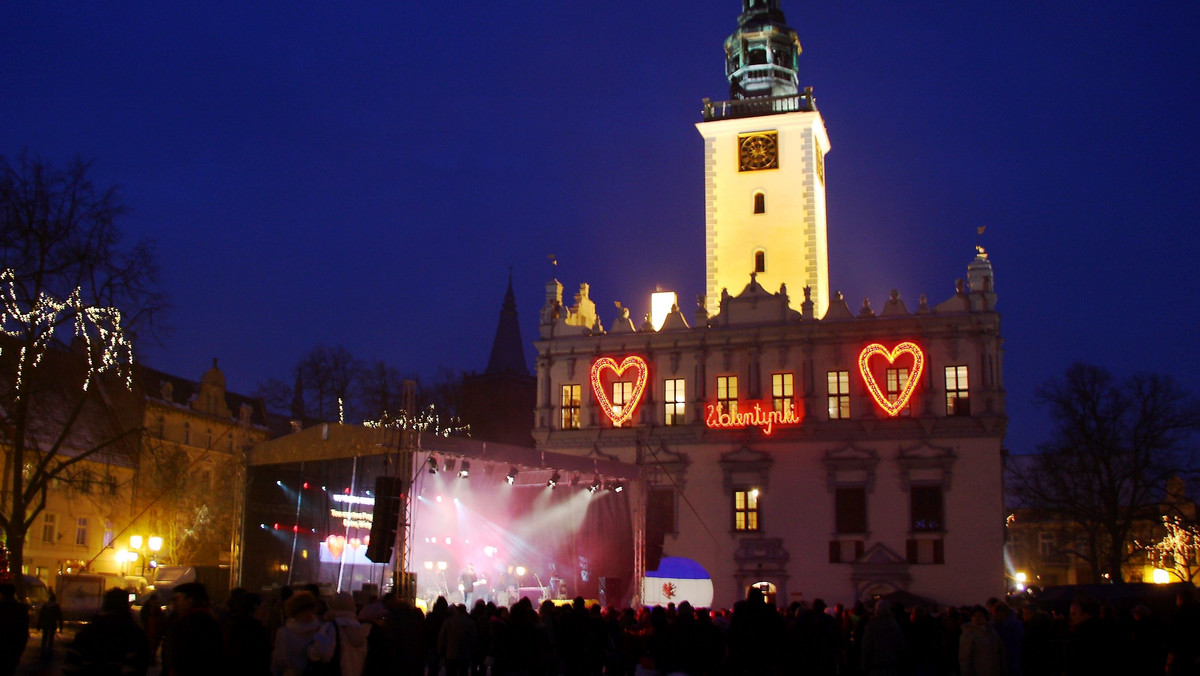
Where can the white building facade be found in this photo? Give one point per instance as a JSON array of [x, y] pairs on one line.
[[789, 444]]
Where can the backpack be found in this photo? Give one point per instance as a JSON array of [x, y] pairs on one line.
[[334, 666]]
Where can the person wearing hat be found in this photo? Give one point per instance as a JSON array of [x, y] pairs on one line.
[[194, 638]]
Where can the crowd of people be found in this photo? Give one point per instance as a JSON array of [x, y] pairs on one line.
[[300, 633]]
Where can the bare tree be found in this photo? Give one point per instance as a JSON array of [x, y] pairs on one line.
[[329, 376], [66, 281], [1105, 471]]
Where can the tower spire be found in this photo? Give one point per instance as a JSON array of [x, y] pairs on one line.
[[508, 352], [761, 55]]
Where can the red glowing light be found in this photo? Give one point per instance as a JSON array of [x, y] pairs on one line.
[[305, 485], [757, 414], [639, 386], [892, 408]]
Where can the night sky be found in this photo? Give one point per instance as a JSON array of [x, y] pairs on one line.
[[366, 173]]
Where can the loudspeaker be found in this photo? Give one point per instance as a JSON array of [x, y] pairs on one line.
[[389, 501]]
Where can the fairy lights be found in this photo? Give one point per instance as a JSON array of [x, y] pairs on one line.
[[761, 415], [99, 328], [604, 364], [892, 408]]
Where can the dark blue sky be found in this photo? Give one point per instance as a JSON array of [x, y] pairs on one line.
[[367, 173]]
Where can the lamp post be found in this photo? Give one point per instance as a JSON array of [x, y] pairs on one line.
[[140, 546]]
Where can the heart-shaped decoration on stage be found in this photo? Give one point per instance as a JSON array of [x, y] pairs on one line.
[[354, 544], [335, 543], [891, 407], [603, 364]]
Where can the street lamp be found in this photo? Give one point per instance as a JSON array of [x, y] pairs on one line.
[[140, 545]]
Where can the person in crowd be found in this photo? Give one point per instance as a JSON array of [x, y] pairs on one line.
[[194, 636], [1089, 649], [884, 648], [455, 642], [49, 622], [292, 640], [1183, 636], [14, 628], [112, 643], [154, 622], [342, 637], [247, 644], [980, 650], [1012, 635]]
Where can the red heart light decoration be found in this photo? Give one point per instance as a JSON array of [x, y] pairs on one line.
[[891, 407], [354, 544], [639, 386], [335, 543]]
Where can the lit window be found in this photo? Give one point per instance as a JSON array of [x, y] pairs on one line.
[[109, 534], [850, 508], [727, 394], [760, 203], [782, 394], [926, 508], [674, 396], [571, 395], [745, 510], [622, 393], [958, 396], [760, 261], [897, 380], [49, 528], [839, 395], [81, 531]]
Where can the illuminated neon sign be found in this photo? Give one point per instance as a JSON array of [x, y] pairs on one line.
[[762, 415], [891, 407], [603, 364]]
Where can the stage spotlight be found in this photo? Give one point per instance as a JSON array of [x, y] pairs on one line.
[[554, 479], [512, 475], [595, 484], [432, 465], [449, 466], [464, 469], [619, 487]]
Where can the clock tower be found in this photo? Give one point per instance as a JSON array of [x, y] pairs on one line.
[[764, 168]]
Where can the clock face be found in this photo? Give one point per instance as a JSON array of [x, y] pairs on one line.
[[759, 150]]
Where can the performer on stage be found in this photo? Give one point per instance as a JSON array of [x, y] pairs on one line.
[[466, 584]]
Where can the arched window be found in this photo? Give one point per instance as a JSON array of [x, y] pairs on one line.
[[760, 261], [760, 203]]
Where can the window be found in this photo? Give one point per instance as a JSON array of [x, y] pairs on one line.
[[81, 531], [187, 433], [926, 509], [850, 509], [839, 395], [231, 441], [760, 261], [1046, 544], [570, 407], [162, 427], [958, 396], [49, 528], [782, 393], [208, 438], [745, 510], [897, 380], [760, 203], [85, 482], [673, 394], [621, 394], [109, 534], [727, 394]]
